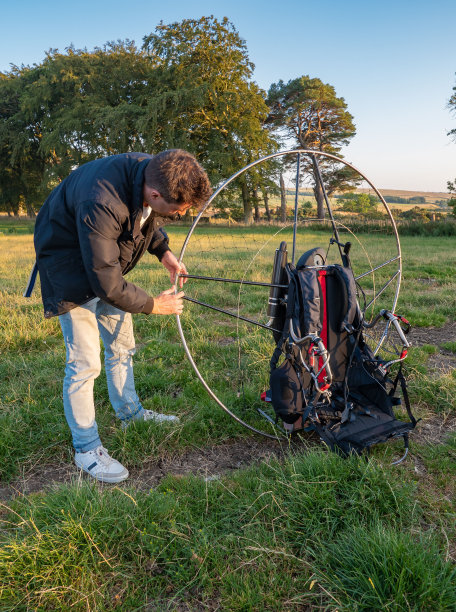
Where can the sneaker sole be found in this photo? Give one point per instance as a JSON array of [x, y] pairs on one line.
[[109, 478]]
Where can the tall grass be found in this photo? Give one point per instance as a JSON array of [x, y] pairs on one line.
[[232, 356], [316, 531]]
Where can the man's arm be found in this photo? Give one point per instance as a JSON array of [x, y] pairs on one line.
[[169, 260], [98, 230], [159, 244]]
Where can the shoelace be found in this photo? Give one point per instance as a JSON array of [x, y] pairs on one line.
[[103, 456]]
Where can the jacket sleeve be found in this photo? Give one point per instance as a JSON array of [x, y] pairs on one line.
[[159, 243], [98, 231]]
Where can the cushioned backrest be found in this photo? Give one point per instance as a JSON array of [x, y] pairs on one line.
[[336, 341]]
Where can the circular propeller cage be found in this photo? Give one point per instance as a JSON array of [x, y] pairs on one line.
[[224, 327]]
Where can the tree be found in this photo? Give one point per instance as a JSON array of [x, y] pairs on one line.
[[415, 214], [359, 202], [283, 200], [21, 164], [203, 99], [88, 103], [71, 108], [309, 111], [452, 190], [189, 86]]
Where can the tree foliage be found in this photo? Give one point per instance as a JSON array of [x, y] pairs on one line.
[[358, 202], [310, 113], [211, 106], [73, 107], [189, 86], [22, 167], [452, 191]]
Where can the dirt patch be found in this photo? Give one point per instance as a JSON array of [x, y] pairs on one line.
[[433, 335], [226, 341], [442, 363], [209, 463], [427, 281], [37, 479], [212, 462], [434, 430]]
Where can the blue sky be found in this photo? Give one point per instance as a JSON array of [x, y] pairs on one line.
[[393, 62]]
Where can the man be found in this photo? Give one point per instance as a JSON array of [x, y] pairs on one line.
[[93, 229]]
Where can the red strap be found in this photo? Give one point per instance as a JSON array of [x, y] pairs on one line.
[[401, 318], [324, 328]]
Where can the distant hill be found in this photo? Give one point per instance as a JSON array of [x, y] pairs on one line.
[[430, 196]]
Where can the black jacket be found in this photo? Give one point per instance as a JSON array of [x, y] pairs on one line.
[[88, 236]]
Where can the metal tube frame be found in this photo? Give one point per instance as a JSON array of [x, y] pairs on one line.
[[231, 314], [295, 221], [232, 280], [299, 152]]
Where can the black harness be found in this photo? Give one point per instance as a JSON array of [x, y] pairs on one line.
[[322, 369]]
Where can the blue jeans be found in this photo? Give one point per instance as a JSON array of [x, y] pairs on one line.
[[82, 328]]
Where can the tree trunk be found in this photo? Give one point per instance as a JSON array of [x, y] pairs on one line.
[[256, 205], [12, 208], [318, 193], [283, 200], [30, 210], [266, 205], [248, 218]]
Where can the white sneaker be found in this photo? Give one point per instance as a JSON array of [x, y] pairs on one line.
[[100, 465], [150, 415]]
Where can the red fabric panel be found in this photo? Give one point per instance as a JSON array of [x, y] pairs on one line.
[[324, 322]]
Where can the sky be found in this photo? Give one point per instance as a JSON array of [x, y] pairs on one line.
[[393, 62]]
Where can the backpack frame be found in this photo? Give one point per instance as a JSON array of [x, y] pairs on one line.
[[329, 380]]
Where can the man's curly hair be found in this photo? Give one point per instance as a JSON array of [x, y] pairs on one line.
[[179, 178]]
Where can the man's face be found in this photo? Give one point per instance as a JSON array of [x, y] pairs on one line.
[[152, 198]]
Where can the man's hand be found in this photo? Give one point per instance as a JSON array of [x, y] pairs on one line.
[[168, 303], [170, 262]]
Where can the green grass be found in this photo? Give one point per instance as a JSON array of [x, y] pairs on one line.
[[449, 346], [435, 389], [315, 532]]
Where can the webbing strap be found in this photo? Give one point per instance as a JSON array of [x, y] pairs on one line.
[[309, 406], [400, 378], [406, 398], [324, 323], [275, 357], [31, 281]]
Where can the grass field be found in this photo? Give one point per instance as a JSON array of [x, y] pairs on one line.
[[307, 532]]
